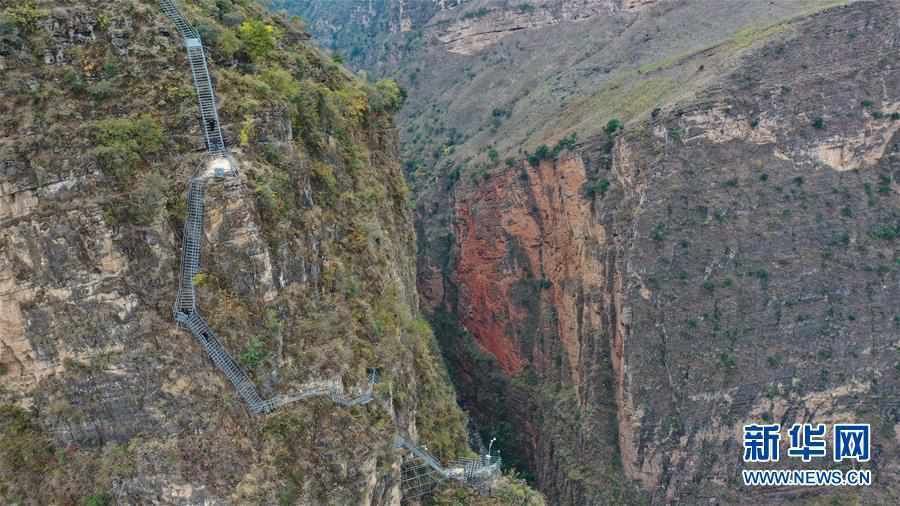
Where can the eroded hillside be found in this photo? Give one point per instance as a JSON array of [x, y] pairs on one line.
[[308, 270], [616, 302], [733, 258]]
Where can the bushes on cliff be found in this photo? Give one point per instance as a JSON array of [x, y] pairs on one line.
[[25, 451], [386, 96], [223, 42], [595, 187], [25, 16], [141, 205], [509, 490], [260, 39], [122, 143], [544, 152], [613, 126], [281, 82], [439, 420]]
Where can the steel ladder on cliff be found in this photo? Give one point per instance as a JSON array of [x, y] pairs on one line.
[[209, 115], [186, 312], [422, 472], [187, 315]]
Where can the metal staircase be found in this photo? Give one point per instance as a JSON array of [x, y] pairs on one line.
[[190, 247], [189, 318], [213, 347], [422, 472], [186, 313], [184, 28], [424, 469], [209, 116]]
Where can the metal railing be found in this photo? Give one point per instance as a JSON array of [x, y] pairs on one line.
[[422, 472], [421, 469], [185, 311], [209, 115]]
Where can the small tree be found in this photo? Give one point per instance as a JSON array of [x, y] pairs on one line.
[[25, 15], [259, 38], [613, 126], [121, 143], [387, 96]]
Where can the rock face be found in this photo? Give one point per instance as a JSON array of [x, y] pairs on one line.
[[615, 310], [524, 244], [731, 260], [308, 267]]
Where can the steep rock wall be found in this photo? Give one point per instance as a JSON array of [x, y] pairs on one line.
[[308, 267], [731, 259]]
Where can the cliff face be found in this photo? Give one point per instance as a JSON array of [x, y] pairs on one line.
[[631, 303], [762, 266], [615, 309], [308, 267], [525, 317]]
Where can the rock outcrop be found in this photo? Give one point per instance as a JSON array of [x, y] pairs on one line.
[[632, 303], [308, 267], [616, 309]]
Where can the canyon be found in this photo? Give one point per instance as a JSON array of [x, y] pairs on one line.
[[307, 270], [642, 225]]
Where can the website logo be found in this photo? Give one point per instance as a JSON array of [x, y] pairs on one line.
[[807, 443]]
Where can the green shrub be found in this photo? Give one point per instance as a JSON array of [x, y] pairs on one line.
[[259, 38], [25, 15], [74, 81], [99, 499], [253, 354], [101, 90], [567, 142], [525, 8], [613, 126], [478, 13], [122, 143], [886, 232], [25, 451], [542, 153], [200, 279], [387, 96], [819, 123], [761, 274], [323, 173], [149, 197], [728, 361], [596, 187], [281, 82], [224, 42]]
